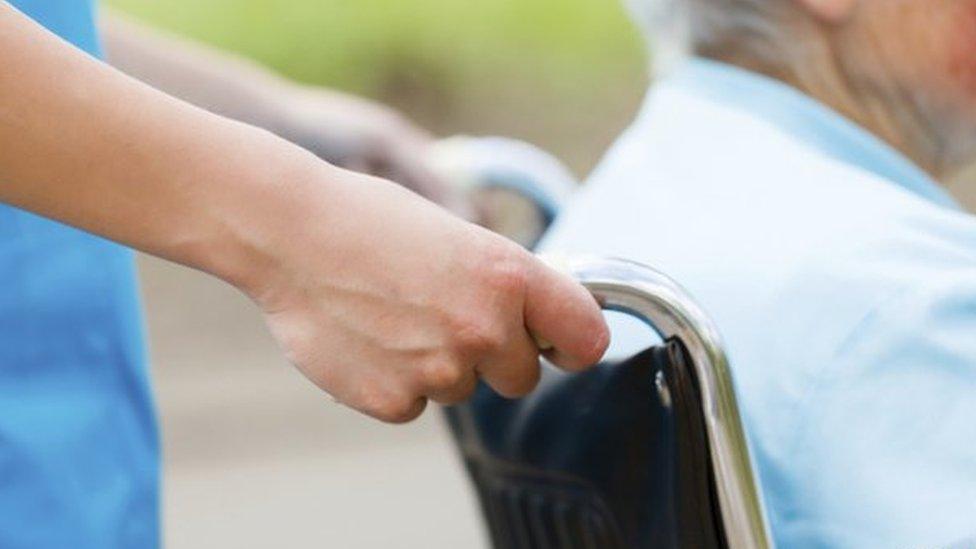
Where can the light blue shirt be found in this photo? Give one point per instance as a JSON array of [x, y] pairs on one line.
[[79, 458], [843, 280]]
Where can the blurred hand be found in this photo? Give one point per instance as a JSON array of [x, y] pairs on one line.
[[385, 301], [367, 137]]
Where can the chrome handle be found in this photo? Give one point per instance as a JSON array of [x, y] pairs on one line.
[[660, 302]]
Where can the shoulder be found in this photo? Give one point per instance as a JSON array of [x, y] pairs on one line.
[[932, 321], [680, 139], [882, 429], [865, 288]]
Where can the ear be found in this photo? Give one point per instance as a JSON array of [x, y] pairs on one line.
[[829, 11]]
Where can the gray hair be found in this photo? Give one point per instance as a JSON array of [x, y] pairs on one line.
[[778, 38], [752, 28]]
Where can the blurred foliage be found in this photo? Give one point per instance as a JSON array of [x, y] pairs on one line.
[[352, 42], [528, 67]]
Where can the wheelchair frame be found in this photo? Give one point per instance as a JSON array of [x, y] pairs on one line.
[[659, 302]]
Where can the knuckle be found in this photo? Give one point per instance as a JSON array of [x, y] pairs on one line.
[[396, 410], [382, 404], [442, 375], [505, 270], [478, 336], [461, 392]]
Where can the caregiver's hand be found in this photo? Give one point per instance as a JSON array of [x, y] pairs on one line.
[[392, 302], [378, 296]]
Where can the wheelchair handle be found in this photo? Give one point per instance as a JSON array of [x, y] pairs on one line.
[[654, 298]]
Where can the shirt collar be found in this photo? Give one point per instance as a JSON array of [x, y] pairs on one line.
[[808, 120]]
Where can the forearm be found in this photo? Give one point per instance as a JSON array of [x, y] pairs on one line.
[[84, 144], [379, 297]]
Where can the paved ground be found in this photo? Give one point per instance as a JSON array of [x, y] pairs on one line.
[[256, 458]]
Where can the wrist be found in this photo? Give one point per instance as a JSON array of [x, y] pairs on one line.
[[257, 216]]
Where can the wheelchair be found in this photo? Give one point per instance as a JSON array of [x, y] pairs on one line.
[[641, 453]]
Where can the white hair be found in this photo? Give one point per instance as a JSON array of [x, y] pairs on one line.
[[777, 37], [754, 28]]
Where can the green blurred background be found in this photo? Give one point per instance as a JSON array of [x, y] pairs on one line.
[[564, 74]]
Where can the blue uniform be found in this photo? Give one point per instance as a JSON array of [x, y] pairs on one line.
[[843, 280], [78, 440]]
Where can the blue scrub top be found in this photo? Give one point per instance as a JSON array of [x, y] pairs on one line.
[[78, 440], [843, 280]]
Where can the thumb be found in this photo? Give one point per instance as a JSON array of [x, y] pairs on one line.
[[561, 314]]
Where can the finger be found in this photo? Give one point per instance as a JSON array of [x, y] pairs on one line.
[[454, 387], [514, 370], [561, 313], [386, 399], [397, 412], [409, 413]]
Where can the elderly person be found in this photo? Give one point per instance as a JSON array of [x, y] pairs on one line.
[[788, 174]]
